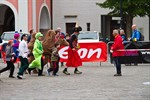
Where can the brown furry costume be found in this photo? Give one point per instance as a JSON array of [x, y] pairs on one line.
[[30, 47], [48, 43], [62, 42]]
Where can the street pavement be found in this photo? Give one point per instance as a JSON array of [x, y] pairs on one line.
[[96, 83]]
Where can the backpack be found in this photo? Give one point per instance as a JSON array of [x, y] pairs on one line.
[[141, 37], [4, 47]]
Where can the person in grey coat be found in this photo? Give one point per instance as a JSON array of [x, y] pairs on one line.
[[9, 59]]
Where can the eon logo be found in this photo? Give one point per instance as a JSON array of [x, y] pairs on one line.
[[83, 52]]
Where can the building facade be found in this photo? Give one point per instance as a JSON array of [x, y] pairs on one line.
[[67, 12], [42, 15], [24, 15]]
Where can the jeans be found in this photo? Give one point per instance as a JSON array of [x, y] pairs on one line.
[[24, 65], [10, 66], [55, 68], [118, 65]]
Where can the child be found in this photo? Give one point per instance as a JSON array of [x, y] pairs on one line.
[[54, 60], [16, 45], [23, 53], [37, 52], [9, 55]]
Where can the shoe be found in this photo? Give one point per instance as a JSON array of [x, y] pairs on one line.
[[25, 72], [41, 75], [19, 77], [35, 71], [118, 75], [29, 71], [55, 74], [48, 73], [66, 72], [77, 72], [12, 77]]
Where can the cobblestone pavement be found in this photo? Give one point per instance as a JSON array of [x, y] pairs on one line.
[[96, 83]]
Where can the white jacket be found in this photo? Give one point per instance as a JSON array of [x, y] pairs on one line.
[[23, 49]]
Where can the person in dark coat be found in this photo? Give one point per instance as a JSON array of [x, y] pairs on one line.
[[74, 59]]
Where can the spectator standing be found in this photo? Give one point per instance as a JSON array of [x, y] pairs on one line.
[[122, 33], [117, 45], [135, 34]]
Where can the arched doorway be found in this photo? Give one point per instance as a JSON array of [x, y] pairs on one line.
[[44, 24], [7, 19]]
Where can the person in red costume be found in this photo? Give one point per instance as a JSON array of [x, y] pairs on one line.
[[74, 59], [118, 45]]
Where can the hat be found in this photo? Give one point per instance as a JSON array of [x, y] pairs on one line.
[[16, 35], [10, 41], [77, 28], [38, 35]]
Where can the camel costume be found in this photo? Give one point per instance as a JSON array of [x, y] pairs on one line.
[[48, 43], [30, 47]]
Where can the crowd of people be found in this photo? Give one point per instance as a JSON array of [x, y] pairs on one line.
[[119, 39], [35, 51]]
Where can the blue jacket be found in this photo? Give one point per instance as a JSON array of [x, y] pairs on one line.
[[135, 34]]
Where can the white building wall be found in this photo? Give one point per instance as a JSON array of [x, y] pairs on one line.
[[86, 11], [23, 15], [142, 26]]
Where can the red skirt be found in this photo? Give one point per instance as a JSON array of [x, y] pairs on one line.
[[74, 59]]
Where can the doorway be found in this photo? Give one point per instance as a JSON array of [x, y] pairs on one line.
[[69, 27], [7, 19]]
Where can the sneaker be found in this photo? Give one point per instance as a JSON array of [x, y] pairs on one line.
[[19, 77], [66, 72], [55, 74], [29, 71], [118, 75], [11, 76], [77, 72], [41, 75], [48, 73]]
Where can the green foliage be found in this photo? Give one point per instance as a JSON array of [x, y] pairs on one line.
[[129, 7]]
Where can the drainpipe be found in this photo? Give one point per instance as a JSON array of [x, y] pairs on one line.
[[51, 3]]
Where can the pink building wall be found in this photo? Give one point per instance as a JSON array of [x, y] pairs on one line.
[[39, 4]]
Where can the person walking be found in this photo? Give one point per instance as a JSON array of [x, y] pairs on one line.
[[61, 34], [23, 53], [29, 37], [55, 60], [117, 45], [16, 45], [9, 59], [37, 52], [74, 59]]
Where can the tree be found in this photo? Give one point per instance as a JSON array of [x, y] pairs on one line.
[[130, 8]]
